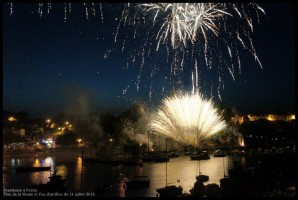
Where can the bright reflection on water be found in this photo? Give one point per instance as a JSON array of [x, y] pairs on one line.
[[84, 176]]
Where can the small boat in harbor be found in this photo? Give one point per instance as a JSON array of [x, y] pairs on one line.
[[147, 158], [138, 182], [125, 162], [155, 158], [219, 153], [173, 154], [202, 155], [161, 158], [202, 178], [170, 191], [32, 169]]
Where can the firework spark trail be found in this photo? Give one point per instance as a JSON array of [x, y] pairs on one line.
[[101, 13], [65, 12], [40, 8], [203, 27], [153, 72], [184, 20], [185, 118], [197, 77], [176, 28], [10, 8]]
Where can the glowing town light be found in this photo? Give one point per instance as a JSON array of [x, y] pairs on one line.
[[11, 119]]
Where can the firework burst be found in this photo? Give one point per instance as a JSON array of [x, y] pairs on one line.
[[183, 21], [173, 36], [187, 118], [191, 34]]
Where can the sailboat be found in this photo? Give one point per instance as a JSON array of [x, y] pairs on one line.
[[204, 155], [161, 157], [147, 157], [171, 190]]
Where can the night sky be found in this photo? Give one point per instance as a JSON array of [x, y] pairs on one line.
[[52, 66]]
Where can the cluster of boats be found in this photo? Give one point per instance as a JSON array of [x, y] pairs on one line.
[[146, 157], [57, 184]]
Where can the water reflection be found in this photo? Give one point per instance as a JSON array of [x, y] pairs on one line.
[[13, 162], [121, 185], [36, 163], [78, 174], [48, 161], [89, 176], [62, 170], [39, 177]]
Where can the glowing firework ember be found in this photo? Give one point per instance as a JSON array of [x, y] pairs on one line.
[[187, 118]]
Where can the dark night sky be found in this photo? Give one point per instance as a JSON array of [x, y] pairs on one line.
[[50, 66]]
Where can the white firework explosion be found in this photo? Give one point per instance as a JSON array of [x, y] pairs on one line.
[[187, 118]]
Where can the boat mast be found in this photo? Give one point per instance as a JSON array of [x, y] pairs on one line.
[[166, 164], [82, 171], [223, 160], [148, 143]]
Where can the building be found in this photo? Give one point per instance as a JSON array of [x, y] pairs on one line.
[[269, 117]]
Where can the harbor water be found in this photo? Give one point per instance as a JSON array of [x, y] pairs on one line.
[[87, 177]]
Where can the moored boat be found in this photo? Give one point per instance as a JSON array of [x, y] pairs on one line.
[[32, 169], [138, 182], [170, 191], [203, 155]]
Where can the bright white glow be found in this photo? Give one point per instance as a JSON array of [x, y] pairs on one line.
[[187, 118]]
